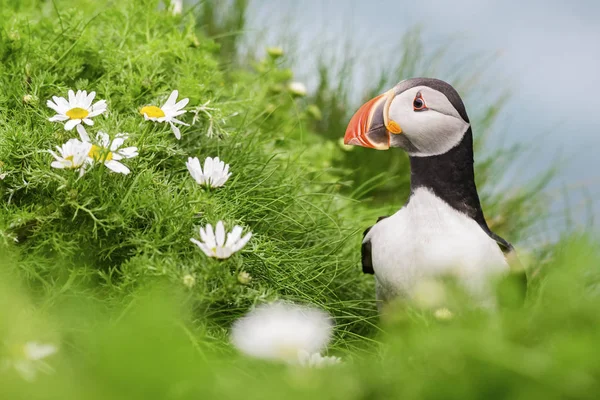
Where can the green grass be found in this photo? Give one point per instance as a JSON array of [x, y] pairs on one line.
[[96, 264]]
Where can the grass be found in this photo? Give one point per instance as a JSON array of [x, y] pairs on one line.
[[97, 264]]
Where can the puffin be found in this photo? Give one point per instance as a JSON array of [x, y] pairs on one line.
[[441, 230]]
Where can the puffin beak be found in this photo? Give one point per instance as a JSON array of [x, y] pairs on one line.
[[370, 126]]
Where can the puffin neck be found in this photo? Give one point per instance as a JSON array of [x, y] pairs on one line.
[[450, 176]]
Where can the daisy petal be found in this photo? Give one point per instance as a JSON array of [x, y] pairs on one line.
[[103, 139], [129, 152], [62, 103], [53, 106], [88, 100], [176, 121], [72, 99], [172, 99], [242, 242], [220, 234], [181, 104], [57, 164], [83, 133], [58, 118], [116, 166], [210, 235], [176, 131], [233, 236], [208, 166], [72, 124]]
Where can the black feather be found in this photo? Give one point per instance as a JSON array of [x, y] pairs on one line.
[[365, 252]]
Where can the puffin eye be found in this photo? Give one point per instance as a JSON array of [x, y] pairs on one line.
[[419, 103]]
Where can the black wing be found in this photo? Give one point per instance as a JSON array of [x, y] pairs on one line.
[[365, 252]]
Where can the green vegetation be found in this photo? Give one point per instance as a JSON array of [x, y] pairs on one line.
[[96, 264]]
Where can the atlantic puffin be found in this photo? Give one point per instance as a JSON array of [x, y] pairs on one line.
[[441, 230]]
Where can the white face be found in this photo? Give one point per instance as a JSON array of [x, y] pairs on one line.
[[434, 128]]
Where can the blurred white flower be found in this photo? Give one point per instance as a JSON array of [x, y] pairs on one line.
[[215, 172], [27, 359], [429, 294], [443, 314], [167, 112], [72, 155], [280, 331], [316, 360], [176, 6], [111, 153], [297, 88], [213, 243], [77, 110]]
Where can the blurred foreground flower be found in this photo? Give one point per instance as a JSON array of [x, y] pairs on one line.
[[167, 112], [215, 172], [27, 359], [72, 155], [316, 360], [429, 294], [284, 332], [110, 153], [213, 243], [443, 314], [77, 110], [297, 88]]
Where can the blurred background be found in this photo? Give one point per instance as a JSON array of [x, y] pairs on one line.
[[537, 60]]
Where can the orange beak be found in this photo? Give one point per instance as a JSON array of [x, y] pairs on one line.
[[369, 127]]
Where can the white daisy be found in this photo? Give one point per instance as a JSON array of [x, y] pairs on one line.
[[167, 112], [215, 172], [77, 110], [111, 153], [316, 360], [213, 243], [27, 359], [72, 155], [280, 331]]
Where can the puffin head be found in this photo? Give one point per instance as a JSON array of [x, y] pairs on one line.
[[423, 116]]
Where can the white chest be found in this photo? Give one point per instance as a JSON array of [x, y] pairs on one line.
[[428, 238]]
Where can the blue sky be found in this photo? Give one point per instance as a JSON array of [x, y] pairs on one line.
[[548, 56]]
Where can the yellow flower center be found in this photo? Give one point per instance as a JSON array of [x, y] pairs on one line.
[[77, 113], [72, 159], [152, 112], [100, 154]]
